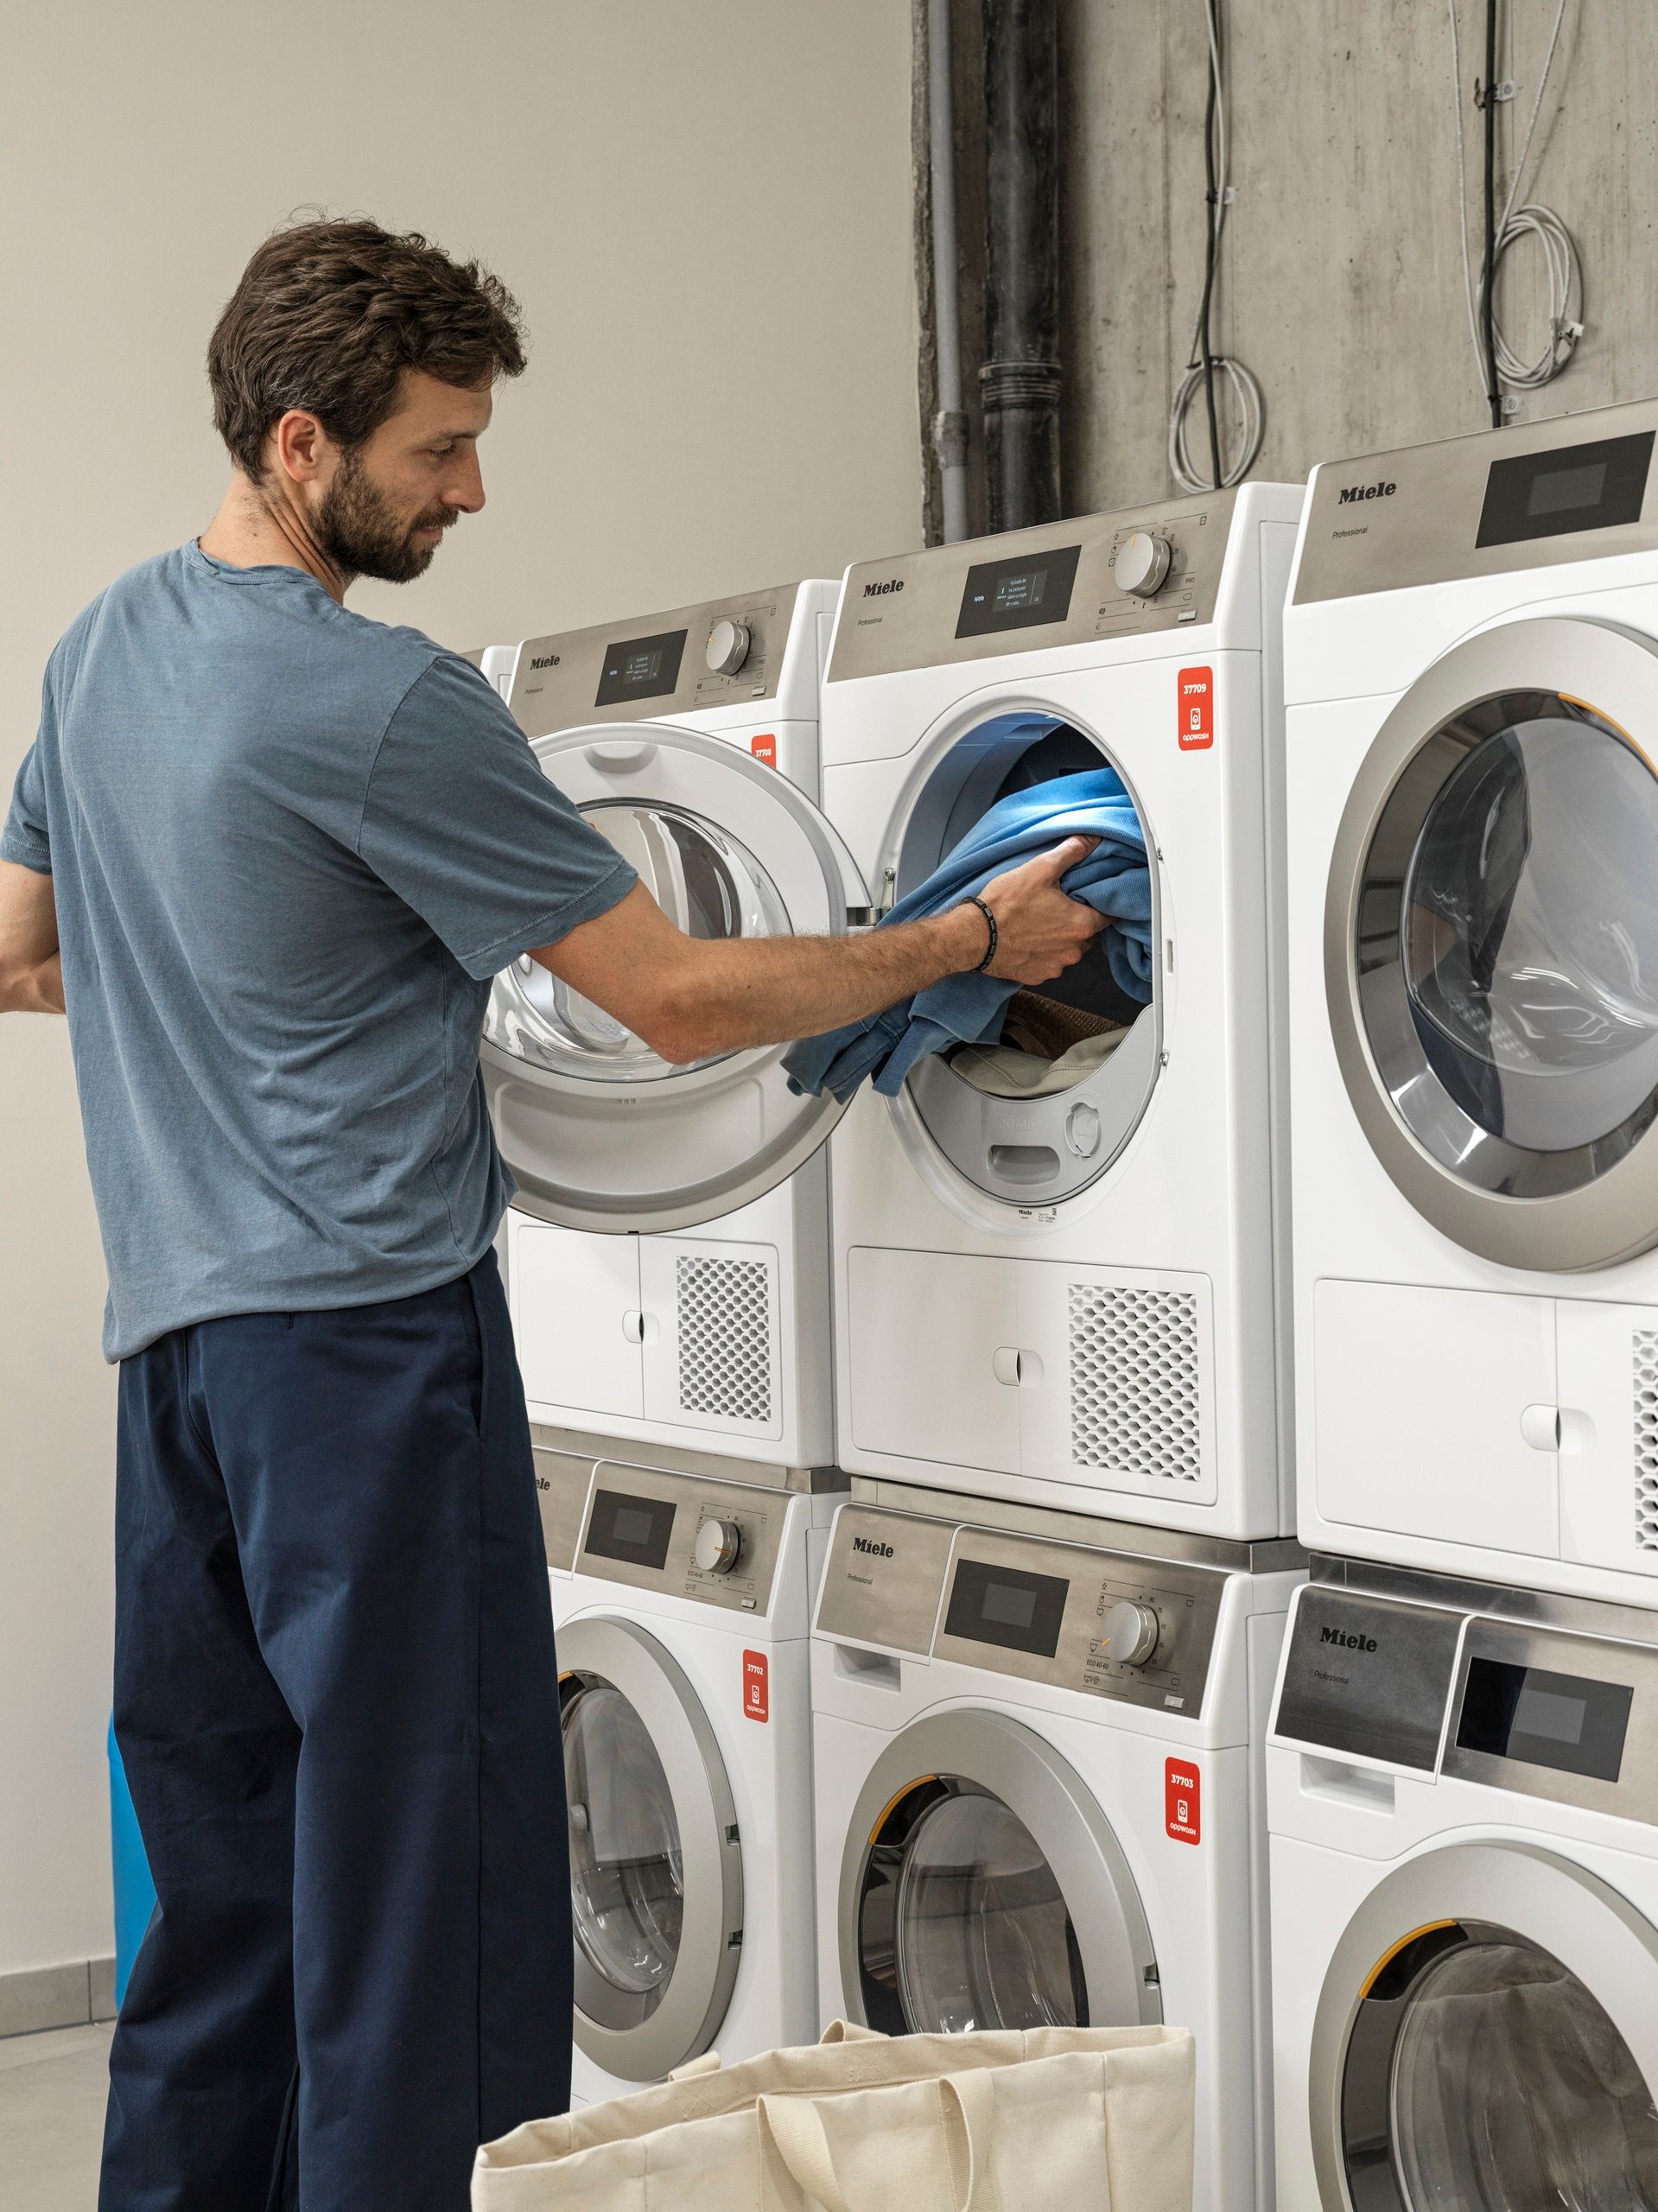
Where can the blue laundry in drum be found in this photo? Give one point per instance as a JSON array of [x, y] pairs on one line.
[[969, 1009]]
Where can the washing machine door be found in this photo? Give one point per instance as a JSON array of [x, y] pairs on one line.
[[982, 1887], [655, 1858], [1487, 2041], [1491, 944], [599, 1131]]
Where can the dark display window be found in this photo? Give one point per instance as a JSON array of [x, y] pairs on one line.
[[1575, 488], [641, 668], [1004, 1606], [635, 1530], [1018, 594], [1565, 1721]]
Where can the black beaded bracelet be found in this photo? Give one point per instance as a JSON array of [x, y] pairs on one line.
[[995, 934]]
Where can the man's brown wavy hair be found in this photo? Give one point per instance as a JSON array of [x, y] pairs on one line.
[[328, 316]]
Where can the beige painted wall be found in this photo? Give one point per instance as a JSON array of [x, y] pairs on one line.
[[706, 210]]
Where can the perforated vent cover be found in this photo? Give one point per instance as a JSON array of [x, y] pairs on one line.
[[1646, 1439], [1136, 1402], [725, 1337]]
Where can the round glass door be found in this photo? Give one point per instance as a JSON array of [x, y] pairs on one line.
[[982, 1887], [965, 1924], [1483, 2076], [1508, 948], [707, 884], [1491, 944], [627, 1877]]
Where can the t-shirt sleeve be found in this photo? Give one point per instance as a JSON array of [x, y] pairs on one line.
[[459, 820], [26, 837]]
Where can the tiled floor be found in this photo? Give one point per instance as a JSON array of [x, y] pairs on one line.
[[52, 2090]]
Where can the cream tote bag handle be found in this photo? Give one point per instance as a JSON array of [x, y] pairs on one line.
[[796, 2128]]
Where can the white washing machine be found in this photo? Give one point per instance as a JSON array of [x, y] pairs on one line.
[[1463, 1783], [1471, 663], [1074, 1299], [682, 1594], [1037, 1739], [667, 1257]]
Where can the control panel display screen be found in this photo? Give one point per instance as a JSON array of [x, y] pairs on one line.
[[1565, 1721], [1018, 594], [636, 1529], [1004, 1605], [641, 668], [1575, 488]]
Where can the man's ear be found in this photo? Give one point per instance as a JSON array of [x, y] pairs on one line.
[[299, 446]]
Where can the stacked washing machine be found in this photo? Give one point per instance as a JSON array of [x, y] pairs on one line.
[[1462, 1771], [667, 1266], [1051, 1617]]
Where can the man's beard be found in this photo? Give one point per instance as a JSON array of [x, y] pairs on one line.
[[358, 531]]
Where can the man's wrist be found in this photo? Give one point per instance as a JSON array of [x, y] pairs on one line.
[[967, 938]]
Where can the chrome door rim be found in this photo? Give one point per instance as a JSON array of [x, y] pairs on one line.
[[1040, 1789], [1560, 1908], [697, 1993], [1614, 1217]]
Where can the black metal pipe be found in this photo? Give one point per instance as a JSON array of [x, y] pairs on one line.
[[1020, 382]]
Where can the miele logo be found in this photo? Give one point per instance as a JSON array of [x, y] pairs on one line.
[[868, 1544], [880, 590], [1340, 1637], [1353, 492], [545, 660]]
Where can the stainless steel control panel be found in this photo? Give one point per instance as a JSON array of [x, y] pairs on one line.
[[1569, 1714], [722, 652], [1107, 1622], [1113, 576], [714, 1541], [562, 1481], [1526, 497]]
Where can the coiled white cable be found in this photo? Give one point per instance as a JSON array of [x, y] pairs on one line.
[[1249, 407], [1562, 265]]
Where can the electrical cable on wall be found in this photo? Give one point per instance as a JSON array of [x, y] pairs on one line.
[[1504, 372], [1234, 412]]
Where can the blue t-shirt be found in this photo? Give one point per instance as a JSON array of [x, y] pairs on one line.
[[289, 849]]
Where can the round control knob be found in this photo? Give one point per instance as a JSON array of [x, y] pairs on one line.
[[1142, 563], [1129, 1635], [718, 1543], [728, 644]]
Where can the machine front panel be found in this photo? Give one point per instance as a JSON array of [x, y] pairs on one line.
[[1527, 497], [655, 664], [1055, 585], [643, 1524], [884, 1578], [562, 1480], [1021, 1607], [1572, 1719]]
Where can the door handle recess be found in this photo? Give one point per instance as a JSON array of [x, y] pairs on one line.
[[639, 1328], [1015, 1370]]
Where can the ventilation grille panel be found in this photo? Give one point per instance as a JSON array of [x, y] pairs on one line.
[[1646, 1439], [1136, 1401], [725, 1337]]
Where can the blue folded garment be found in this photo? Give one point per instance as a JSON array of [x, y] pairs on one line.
[[969, 1009]]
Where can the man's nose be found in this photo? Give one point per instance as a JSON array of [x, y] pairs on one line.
[[466, 491]]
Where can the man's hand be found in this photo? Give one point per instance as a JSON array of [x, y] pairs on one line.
[[1040, 932], [690, 998], [31, 973]]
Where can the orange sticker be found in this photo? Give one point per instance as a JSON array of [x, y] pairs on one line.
[[1196, 720], [765, 749], [757, 1689]]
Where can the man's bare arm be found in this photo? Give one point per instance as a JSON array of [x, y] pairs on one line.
[[689, 998], [31, 973]]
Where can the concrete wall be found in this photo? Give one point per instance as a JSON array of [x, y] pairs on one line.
[[706, 211], [1342, 283]]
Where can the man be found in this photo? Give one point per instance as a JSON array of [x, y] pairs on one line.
[[269, 855]]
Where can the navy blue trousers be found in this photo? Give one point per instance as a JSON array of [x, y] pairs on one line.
[[337, 1702]]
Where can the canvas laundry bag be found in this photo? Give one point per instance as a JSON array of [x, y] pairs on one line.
[[1053, 2120]]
